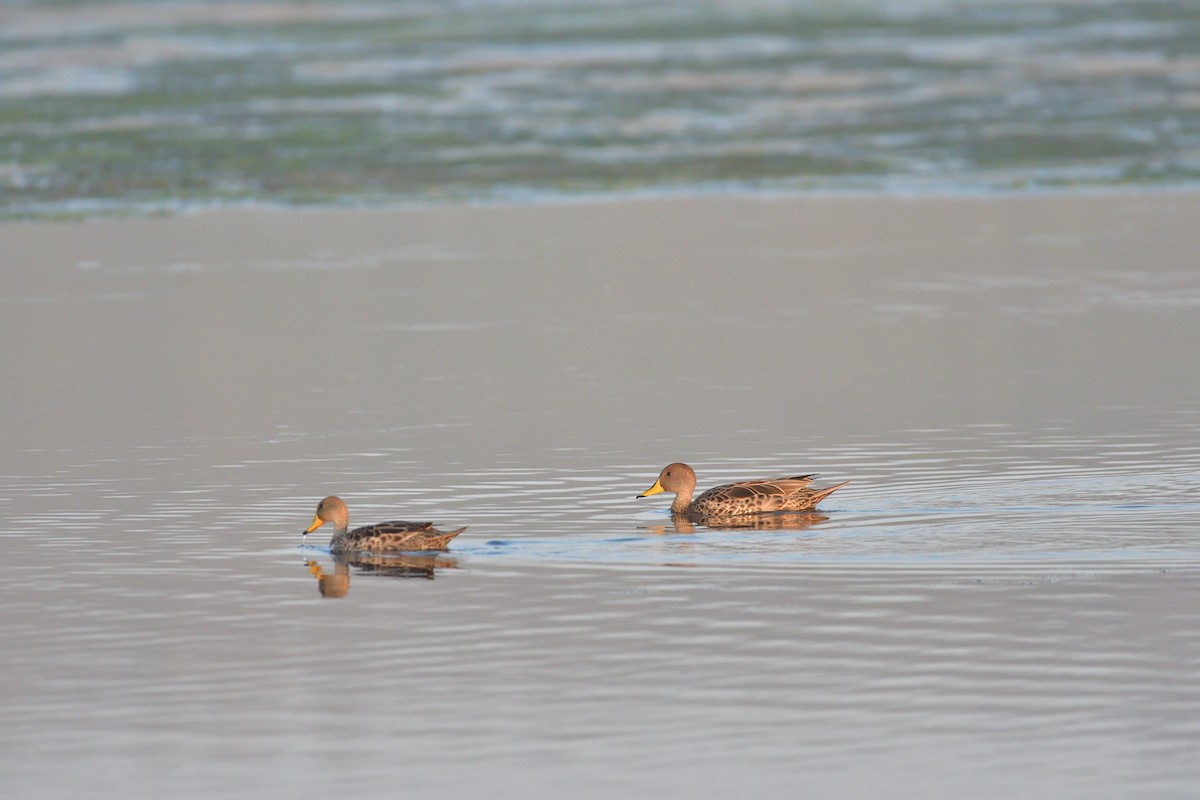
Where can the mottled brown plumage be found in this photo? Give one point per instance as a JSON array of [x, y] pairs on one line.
[[736, 499], [380, 537]]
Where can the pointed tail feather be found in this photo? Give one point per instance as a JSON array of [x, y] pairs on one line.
[[445, 538], [821, 494]]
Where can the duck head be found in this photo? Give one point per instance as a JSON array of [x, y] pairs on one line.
[[678, 479], [333, 510]]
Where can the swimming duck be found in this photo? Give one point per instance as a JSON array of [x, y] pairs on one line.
[[380, 537], [735, 499]]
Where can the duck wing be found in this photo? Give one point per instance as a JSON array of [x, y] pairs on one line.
[[760, 490], [754, 497], [399, 535]]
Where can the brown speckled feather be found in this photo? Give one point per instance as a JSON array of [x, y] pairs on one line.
[[756, 497], [401, 536]]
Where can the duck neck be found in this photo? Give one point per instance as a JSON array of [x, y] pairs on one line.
[[682, 500], [340, 523], [338, 542]]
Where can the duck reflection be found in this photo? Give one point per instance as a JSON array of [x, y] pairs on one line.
[[393, 565], [781, 521]]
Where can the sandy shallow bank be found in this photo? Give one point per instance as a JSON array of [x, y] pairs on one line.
[[1001, 603], [1055, 295]]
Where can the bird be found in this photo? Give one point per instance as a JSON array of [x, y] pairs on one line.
[[736, 499], [378, 538]]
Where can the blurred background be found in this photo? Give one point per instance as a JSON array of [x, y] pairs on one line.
[[160, 104]]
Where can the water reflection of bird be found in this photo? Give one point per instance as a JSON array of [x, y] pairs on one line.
[[380, 537], [736, 499], [767, 521], [335, 585], [392, 565]]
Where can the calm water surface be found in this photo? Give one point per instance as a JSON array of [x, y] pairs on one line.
[[1003, 602]]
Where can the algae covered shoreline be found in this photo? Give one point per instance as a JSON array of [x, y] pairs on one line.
[[136, 107]]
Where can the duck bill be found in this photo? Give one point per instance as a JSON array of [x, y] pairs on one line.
[[316, 523], [655, 489]]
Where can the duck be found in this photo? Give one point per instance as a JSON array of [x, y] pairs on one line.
[[381, 537], [736, 499]]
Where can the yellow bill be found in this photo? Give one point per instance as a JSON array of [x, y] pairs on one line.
[[655, 489]]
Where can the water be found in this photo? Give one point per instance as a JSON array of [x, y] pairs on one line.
[[1002, 601], [106, 107]]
